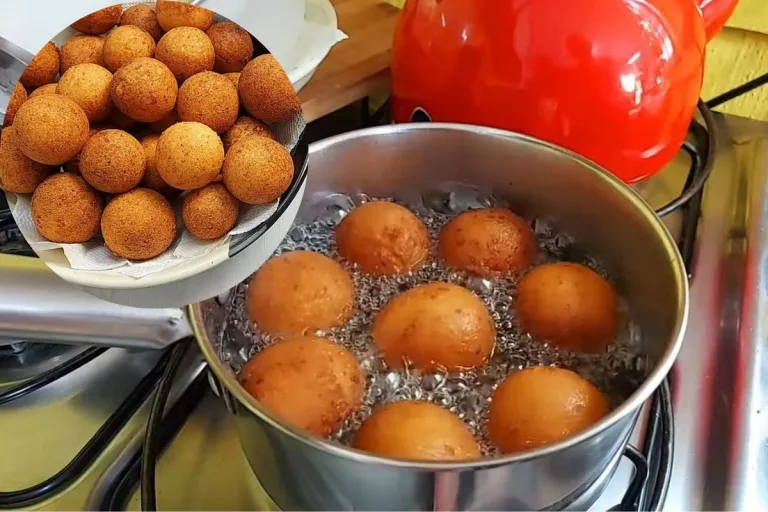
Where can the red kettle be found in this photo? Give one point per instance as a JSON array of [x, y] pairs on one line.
[[616, 81]]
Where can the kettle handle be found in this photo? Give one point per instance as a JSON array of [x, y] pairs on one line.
[[715, 13]]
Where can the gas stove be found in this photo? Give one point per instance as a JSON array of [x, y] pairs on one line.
[[701, 443]]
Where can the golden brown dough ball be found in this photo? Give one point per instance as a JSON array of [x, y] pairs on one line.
[[45, 89], [257, 170], [184, 169], [208, 98], [246, 126], [51, 129], [233, 46], [416, 430], [66, 209], [88, 86], [165, 123], [540, 406], [120, 120], [308, 382], [210, 212], [143, 16], [138, 225], [569, 305], [383, 238], [152, 178], [234, 78], [266, 91], [43, 68], [186, 51], [144, 90], [172, 14], [315, 293], [489, 242], [112, 161], [18, 97], [18, 173], [73, 165], [82, 50], [436, 326], [99, 22], [126, 44]]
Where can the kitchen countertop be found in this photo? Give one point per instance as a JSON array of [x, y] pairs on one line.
[[357, 67]]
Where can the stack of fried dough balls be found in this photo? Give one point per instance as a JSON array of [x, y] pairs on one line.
[[136, 110]]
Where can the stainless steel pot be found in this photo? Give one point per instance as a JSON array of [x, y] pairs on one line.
[[605, 217]]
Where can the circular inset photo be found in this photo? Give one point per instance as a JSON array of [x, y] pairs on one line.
[[149, 143]]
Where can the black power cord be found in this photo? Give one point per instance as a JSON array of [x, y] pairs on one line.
[[149, 449], [738, 91]]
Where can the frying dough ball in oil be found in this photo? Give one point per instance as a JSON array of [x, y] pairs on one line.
[[82, 50], [144, 90], [99, 22], [186, 51], [488, 242], [143, 16], [43, 68], [172, 14], [383, 238], [436, 326], [300, 292], [126, 44], [88, 86], [113, 161], [210, 212], [569, 305], [418, 431], [308, 382], [184, 169], [18, 97], [542, 405], [138, 225], [18, 173], [51, 129], [208, 98], [66, 209]]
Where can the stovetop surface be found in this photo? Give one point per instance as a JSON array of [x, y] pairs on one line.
[[719, 384]]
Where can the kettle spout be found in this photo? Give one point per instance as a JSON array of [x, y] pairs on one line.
[[715, 14]]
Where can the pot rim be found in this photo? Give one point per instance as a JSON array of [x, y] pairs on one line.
[[631, 404]]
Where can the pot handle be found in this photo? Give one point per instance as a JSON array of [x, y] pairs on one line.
[[715, 13]]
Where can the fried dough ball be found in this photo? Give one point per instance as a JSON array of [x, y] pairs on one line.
[[233, 46], [172, 14], [152, 178], [82, 50], [138, 225], [488, 242], [184, 169], [144, 90], [300, 292], [166, 122], [246, 126], [383, 238], [73, 165], [18, 173], [568, 305], [88, 86], [18, 97], [126, 44], [210, 212], [208, 98], [45, 89], [112, 161], [257, 170], [120, 120], [51, 129], [66, 209], [542, 405], [143, 16], [43, 68], [99, 22], [186, 51], [234, 78], [266, 91], [416, 430], [308, 382], [436, 326]]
